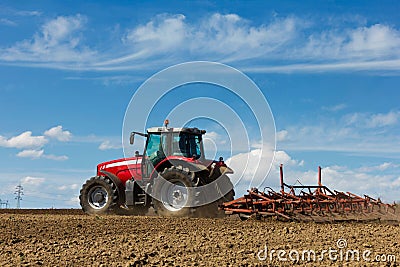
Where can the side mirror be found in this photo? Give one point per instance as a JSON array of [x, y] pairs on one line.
[[132, 138]]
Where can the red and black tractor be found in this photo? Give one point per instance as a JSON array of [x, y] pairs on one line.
[[172, 175]]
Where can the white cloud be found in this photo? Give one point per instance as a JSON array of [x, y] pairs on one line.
[[287, 44], [281, 157], [163, 33], [62, 188], [58, 40], [367, 120], [212, 135], [396, 183], [58, 133], [247, 165], [32, 145], [32, 181], [7, 22], [381, 120], [33, 154], [318, 67], [252, 168], [236, 39], [366, 43], [381, 167], [354, 118], [29, 13], [57, 30], [335, 108], [361, 133], [68, 187], [74, 186], [74, 201], [216, 138], [24, 140], [373, 41], [26, 13], [229, 37], [37, 154], [54, 157], [106, 145], [281, 135]]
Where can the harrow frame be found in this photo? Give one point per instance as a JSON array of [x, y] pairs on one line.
[[307, 202]]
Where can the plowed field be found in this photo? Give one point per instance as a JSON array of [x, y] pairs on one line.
[[71, 238]]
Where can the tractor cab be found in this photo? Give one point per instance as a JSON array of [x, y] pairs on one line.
[[175, 142], [163, 144]]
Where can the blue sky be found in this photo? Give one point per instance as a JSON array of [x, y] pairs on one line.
[[329, 70]]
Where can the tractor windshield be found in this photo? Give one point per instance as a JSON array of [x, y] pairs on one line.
[[187, 145]]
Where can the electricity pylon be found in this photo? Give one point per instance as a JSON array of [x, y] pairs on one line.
[[19, 191]]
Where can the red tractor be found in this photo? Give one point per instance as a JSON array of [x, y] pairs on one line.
[[172, 175]]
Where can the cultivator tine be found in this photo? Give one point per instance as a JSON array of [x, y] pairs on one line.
[[310, 201]]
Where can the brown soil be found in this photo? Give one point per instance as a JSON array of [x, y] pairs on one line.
[[70, 238]]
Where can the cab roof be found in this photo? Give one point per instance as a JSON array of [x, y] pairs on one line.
[[175, 130]]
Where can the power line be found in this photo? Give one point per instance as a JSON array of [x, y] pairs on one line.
[[19, 191]]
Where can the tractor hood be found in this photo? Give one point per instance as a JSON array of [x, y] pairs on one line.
[[124, 168], [118, 163]]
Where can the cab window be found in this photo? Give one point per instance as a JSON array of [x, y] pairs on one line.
[[186, 145]]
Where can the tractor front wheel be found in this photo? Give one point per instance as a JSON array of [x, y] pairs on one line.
[[98, 195]]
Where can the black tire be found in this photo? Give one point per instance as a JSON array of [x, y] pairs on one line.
[[211, 210], [226, 182], [98, 195], [172, 194]]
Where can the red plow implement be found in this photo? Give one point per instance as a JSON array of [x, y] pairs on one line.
[[309, 203]]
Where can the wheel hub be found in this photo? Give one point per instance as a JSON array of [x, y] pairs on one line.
[[175, 196], [98, 197]]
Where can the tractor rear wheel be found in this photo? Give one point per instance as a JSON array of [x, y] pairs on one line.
[[211, 210], [172, 194], [98, 195]]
